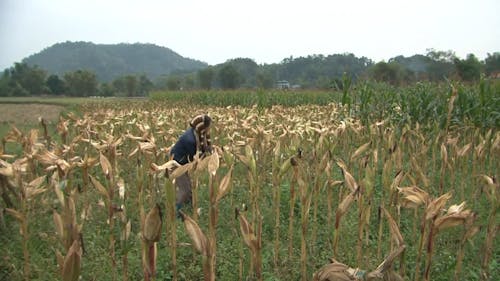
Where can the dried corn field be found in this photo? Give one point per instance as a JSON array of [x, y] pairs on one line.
[[290, 193]]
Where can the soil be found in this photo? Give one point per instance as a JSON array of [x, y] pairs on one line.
[[29, 113]]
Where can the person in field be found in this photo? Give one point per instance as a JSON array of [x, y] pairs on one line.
[[196, 139]]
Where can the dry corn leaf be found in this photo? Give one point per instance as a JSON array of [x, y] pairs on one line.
[[179, 171], [350, 181], [99, 187], [71, 266], [386, 265], [36, 183], [105, 165], [225, 185], [436, 206], [152, 225], [199, 239], [16, 214], [170, 165], [334, 271], [394, 229], [247, 232], [444, 153], [213, 163], [413, 196], [456, 208], [463, 151], [451, 220], [58, 222], [57, 189], [126, 231], [397, 180], [362, 149], [342, 208]]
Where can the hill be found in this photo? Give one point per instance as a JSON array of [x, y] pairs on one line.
[[109, 61]]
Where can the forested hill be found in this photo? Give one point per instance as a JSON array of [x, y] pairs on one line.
[[111, 61]]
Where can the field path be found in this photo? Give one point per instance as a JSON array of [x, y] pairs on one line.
[[28, 113]]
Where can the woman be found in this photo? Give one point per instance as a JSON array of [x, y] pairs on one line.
[[195, 139]]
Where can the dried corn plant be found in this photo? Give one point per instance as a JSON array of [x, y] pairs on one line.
[[70, 235], [151, 233], [493, 194], [253, 240], [27, 192], [456, 215], [389, 166]]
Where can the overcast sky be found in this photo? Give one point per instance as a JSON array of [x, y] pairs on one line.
[[266, 31]]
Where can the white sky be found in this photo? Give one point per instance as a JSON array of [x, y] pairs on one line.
[[266, 31]]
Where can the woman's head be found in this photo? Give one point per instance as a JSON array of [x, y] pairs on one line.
[[201, 123]]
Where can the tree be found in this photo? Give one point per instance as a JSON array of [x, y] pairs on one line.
[[4, 84], [264, 80], [492, 63], [131, 85], [392, 73], [442, 56], [468, 69], [25, 80], [206, 76], [173, 83], [106, 90], [188, 82], [440, 65], [81, 83], [55, 85], [229, 77], [145, 85]]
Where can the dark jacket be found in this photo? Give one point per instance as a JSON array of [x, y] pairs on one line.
[[185, 148]]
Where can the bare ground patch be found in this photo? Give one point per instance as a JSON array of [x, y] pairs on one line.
[[28, 113]]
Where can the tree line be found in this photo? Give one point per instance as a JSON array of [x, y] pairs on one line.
[[24, 80], [316, 71]]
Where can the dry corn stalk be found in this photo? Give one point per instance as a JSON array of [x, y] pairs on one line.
[[455, 215], [252, 241], [151, 234], [341, 210], [493, 194], [194, 232], [200, 243], [71, 263]]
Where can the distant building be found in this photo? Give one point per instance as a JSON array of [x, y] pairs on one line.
[[495, 75], [283, 85]]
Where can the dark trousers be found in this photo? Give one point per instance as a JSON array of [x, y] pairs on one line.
[[183, 189]]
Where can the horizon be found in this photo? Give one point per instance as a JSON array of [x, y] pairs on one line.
[[278, 62], [266, 32]]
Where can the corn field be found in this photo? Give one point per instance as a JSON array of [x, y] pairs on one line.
[[308, 192]]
